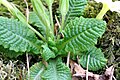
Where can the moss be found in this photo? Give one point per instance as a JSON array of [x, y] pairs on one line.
[[20, 5], [11, 71], [92, 9]]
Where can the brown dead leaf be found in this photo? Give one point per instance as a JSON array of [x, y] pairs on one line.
[[78, 71], [75, 78], [109, 72], [72, 66]]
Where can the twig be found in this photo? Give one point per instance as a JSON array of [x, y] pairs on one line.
[[57, 21], [27, 14], [27, 10], [114, 78], [28, 66], [44, 62], [68, 59], [58, 37], [87, 67]]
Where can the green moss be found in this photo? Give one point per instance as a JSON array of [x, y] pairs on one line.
[[92, 9]]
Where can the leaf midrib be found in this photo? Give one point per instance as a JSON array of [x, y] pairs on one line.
[[21, 36], [68, 40], [38, 74]]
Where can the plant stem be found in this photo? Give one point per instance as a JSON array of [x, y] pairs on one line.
[[105, 8], [51, 22], [62, 24], [27, 12], [51, 18], [37, 33]]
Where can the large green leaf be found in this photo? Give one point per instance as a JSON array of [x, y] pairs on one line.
[[17, 36], [34, 20], [9, 53], [76, 9], [36, 71], [96, 59], [82, 33], [56, 70]]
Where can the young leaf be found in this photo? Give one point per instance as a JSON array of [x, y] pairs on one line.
[[17, 36], [76, 9], [34, 20], [47, 53], [82, 33], [96, 60], [41, 12], [9, 53], [36, 71], [56, 70], [64, 7], [49, 2]]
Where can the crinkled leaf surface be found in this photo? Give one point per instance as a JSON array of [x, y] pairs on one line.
[[9, 53], [56, 70], [76, 9], [82, 33], [16, 36], [47, 53], [34, 20], [36, 71], [96, 60]]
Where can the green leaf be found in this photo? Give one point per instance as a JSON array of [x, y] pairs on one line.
[[41, 11], [47, 53], [17, 36], [76, 9], [34, 20], [49, 2], [96, 59], [56, 70], [9, 53], [82, 33], [36, 71], [64, 7]]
